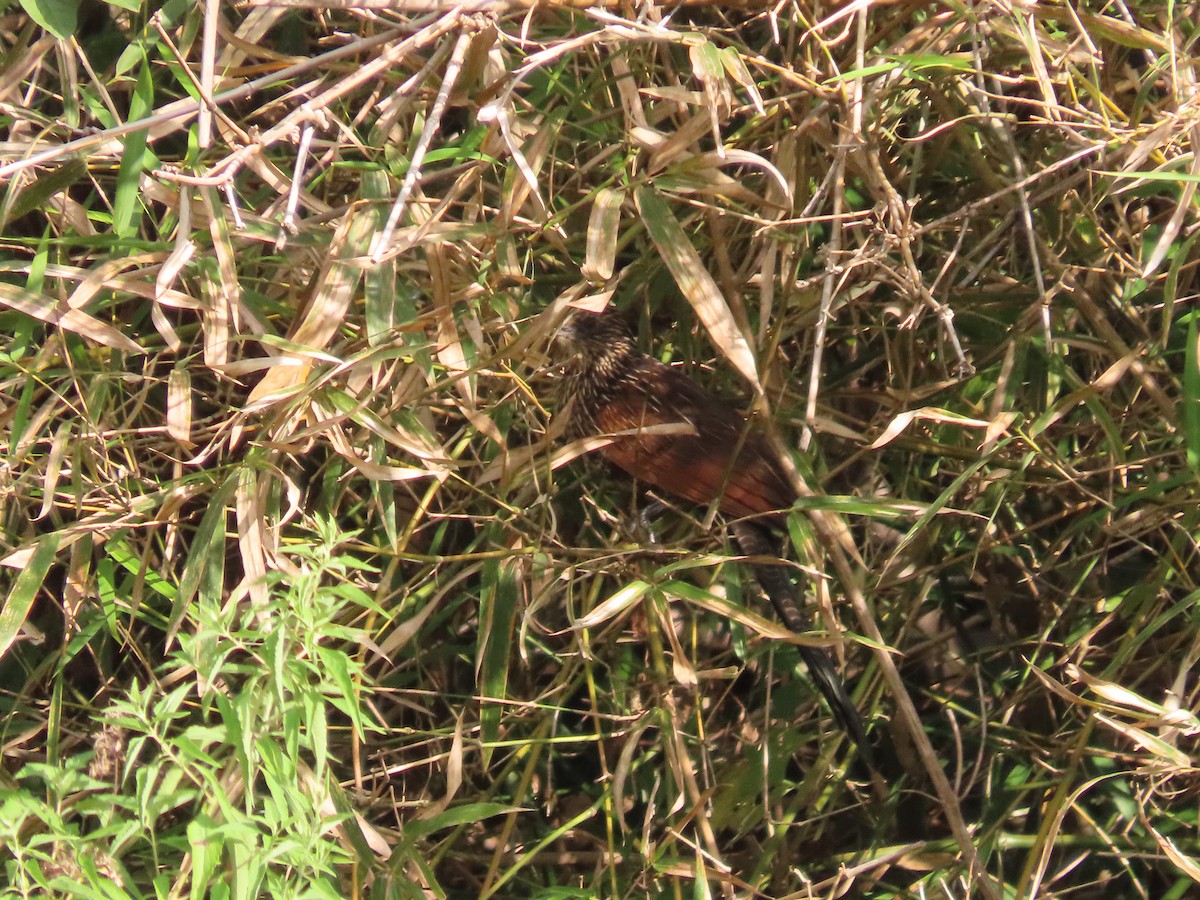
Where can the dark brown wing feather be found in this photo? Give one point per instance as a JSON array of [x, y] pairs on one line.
[[686, 465]]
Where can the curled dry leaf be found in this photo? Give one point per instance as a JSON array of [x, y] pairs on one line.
[[927, 413], [614, 606], [179, 406], [332, 291], [603, 226]]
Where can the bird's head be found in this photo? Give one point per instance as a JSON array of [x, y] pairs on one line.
[[593, 337]]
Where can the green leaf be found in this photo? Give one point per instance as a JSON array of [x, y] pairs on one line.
[[37, 194], [497, 617], [455, 816], [206, 842], [24, 590], [59, 17], [1169, 177], [134, 160], [337, 664], [208, 549], [1191, 397]]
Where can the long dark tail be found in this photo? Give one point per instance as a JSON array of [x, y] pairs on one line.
[[755, 540]]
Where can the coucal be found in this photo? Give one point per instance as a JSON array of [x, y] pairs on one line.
[[614, 388]]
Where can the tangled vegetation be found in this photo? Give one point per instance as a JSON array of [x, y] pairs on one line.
[[307, 594]]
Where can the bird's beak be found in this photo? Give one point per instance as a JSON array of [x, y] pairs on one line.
[[568, 332]]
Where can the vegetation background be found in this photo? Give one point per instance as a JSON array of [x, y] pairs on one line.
[[304, 594]]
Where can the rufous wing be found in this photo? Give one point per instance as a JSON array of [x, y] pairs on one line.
[[697, 466]]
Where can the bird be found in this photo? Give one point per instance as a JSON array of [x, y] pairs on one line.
[[704, 453]]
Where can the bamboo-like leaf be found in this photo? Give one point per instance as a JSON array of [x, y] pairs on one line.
[[179, 405], [469, 813], [208, 550], [52, 312], [926, 413], [1123, 33], [223, 313], [326, 309], [497, 623], [695, 283], [1147, 741], [603, 227], [381, 294], [25, 588], [58, 450], [709, 70], [1191, 395], [618, 603], [454, 766], [134, 159], [250, 526], [1119, 695], [731, 59], [743, 158], [37, 193]]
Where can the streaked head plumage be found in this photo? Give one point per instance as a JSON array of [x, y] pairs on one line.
[[594, 336]]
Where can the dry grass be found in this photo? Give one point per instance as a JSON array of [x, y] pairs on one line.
[[305, 596]]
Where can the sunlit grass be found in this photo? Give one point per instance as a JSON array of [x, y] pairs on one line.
[[307, 594]]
